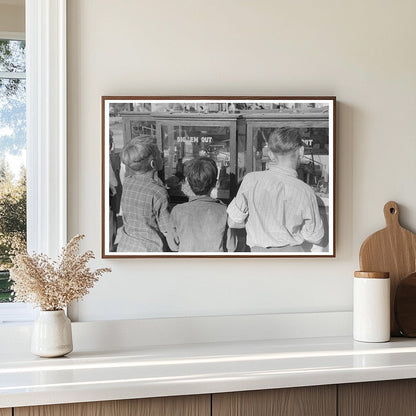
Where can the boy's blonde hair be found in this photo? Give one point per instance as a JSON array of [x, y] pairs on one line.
[[139, 152], [284, 140]]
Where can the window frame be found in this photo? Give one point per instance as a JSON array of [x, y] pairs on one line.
[[46, 122]]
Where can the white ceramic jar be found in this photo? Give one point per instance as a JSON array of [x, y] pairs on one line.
[[371, 309], [52, 334]]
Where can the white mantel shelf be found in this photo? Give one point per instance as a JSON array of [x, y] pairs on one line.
[[151, 371]]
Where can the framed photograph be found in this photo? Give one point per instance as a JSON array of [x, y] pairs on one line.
[[218, 177]]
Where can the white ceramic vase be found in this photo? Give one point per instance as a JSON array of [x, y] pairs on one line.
[[52, 334]]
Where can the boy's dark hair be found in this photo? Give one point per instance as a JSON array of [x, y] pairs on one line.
[[284, 140], [138, 153], [202, 174]]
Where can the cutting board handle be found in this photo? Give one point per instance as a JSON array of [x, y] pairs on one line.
[[391, 214]]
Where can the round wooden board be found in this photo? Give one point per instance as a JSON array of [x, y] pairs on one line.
[[405, 306]]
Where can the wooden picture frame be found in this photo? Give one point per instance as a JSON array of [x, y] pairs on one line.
[[285, 207]]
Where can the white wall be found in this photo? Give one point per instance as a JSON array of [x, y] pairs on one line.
[[363, 52], [12, 17]]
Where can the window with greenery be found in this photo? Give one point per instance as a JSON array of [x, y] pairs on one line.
[[12, 156]]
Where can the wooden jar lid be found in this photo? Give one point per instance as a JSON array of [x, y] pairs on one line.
[[372, 275]]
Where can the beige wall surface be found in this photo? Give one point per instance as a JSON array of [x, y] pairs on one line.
[[12, 18], [363, 52]]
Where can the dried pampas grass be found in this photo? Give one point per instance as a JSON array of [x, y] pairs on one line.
[[53, 285]]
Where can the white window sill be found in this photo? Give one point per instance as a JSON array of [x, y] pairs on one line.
[[16, 313], [203, 368]]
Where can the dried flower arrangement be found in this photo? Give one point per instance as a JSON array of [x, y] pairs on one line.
[[53, 285]]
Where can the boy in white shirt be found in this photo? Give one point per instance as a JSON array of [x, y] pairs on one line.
[[278, 210]]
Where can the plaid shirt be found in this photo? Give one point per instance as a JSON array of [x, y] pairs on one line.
[[144, 204]]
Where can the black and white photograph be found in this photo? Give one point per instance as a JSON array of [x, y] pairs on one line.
[[218, 176]]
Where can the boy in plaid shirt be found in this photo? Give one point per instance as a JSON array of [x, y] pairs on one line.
[[144, 200]]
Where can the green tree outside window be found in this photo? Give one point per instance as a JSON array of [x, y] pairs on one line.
[[12, 147]]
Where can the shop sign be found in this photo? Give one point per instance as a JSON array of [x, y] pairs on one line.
[[194, 139]]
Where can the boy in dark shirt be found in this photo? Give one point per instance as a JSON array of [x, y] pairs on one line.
[[200, 225]]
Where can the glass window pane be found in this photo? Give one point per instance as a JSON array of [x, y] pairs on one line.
[[143, 128], [12, 116], [241, 156], [12, 56], [181, 144], [12, 174], [5, 291], [314, 166], [261, 158]]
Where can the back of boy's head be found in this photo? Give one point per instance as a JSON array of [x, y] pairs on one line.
[[284, 140], [202, 174], [138, 153]]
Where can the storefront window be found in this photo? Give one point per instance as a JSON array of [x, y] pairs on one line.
[[241, 154], [314, 167], [142, 128], [181, 144]]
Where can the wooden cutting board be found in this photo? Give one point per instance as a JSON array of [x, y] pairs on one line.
[[393, 250]]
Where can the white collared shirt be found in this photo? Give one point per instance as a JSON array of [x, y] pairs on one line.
[[278, 209]]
